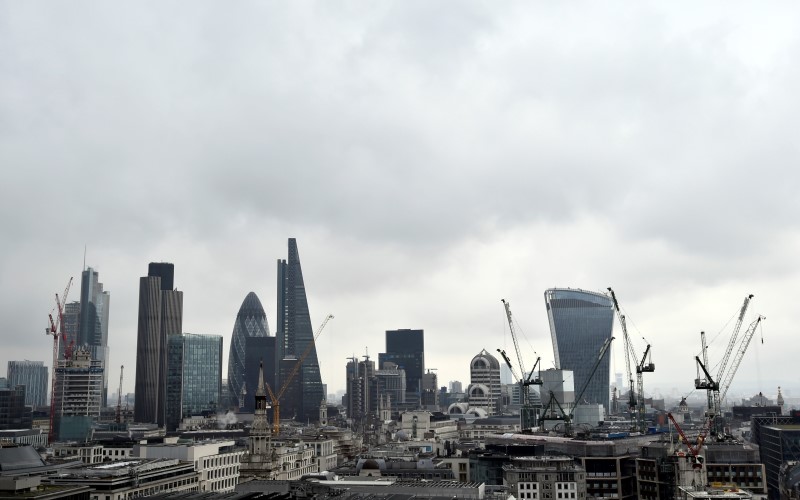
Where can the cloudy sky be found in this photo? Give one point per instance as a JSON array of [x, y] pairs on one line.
[[431, 158]]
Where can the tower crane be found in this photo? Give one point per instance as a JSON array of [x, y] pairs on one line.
[[711, 384], [567, 417], [525, 381], [644, 366], [56, 330], [745, 343], [276, 399]]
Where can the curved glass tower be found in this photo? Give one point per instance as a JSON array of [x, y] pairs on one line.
[[580, 322], [251, 321]]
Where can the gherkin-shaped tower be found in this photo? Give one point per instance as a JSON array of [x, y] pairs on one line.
[[251, 321]]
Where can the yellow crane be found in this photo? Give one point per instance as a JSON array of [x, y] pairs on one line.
[[276, 399]]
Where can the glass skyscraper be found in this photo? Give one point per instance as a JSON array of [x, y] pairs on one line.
[[295, 334], [33, 375], [251, 321], [580, 322], [194, 376], [93, 322], [406, 349]]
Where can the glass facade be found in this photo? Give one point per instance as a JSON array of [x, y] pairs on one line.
[[93, 321], [406, 349], [194, 376], [251, 322], [33, 375], [295, 334], [580, 322]]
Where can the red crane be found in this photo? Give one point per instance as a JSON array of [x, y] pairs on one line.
[[56, 329], [694, 450]]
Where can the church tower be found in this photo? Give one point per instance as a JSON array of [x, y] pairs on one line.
[[260, 433], [323, 413]]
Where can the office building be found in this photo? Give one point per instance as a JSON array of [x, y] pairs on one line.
[[34, 376], [131, 479], [360, 400], [251, 321], [78, 393], [532, 478], [93, 321], [295, 337], [194, 376], [71, 324], [160, 314], [580, 322], [390, 384], [217, 462], [777, 437], [406, 349], [14, 414], [257, 350], [484, 390]]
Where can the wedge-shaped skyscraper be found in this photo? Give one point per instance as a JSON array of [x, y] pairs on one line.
[[580, 322], [295, 334]]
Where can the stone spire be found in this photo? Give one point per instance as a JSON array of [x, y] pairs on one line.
[[780, 397], [261, 391]]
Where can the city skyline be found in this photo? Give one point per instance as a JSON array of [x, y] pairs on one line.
[[427, 172], [375, 346]]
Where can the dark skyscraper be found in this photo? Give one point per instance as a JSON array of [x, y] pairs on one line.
[[406, 348], [580, 322], [160, 314], [93, 322], [251, 321], [294, 334]]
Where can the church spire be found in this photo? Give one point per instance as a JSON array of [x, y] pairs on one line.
[[261, 391]]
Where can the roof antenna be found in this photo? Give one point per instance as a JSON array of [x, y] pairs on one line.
[[84, 256]]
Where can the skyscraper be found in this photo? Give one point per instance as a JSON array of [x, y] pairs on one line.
[[295, 334], [78, 394], [33, 375], [484, 389], [580, 322], [251, 321], [93, 322], [194, 375], [160, 314], [406, 349]]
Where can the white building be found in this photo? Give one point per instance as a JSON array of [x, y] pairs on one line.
[[484, 389], [217, 462]]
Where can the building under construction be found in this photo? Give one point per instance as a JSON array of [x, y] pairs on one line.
[[77, 394]]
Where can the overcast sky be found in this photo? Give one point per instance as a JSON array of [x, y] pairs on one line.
[[430, 158]]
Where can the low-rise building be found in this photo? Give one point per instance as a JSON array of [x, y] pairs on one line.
[[217, 462], [33, 437], [534, 478], [130, 479]]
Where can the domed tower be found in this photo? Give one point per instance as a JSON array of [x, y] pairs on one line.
[[251, 321], [484, 389]]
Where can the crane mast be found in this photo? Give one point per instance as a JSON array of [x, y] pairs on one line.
[[714, 385], [527, 418], [56, 330], [276, 399], [641, 367], [748, 335], [567, 417]]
